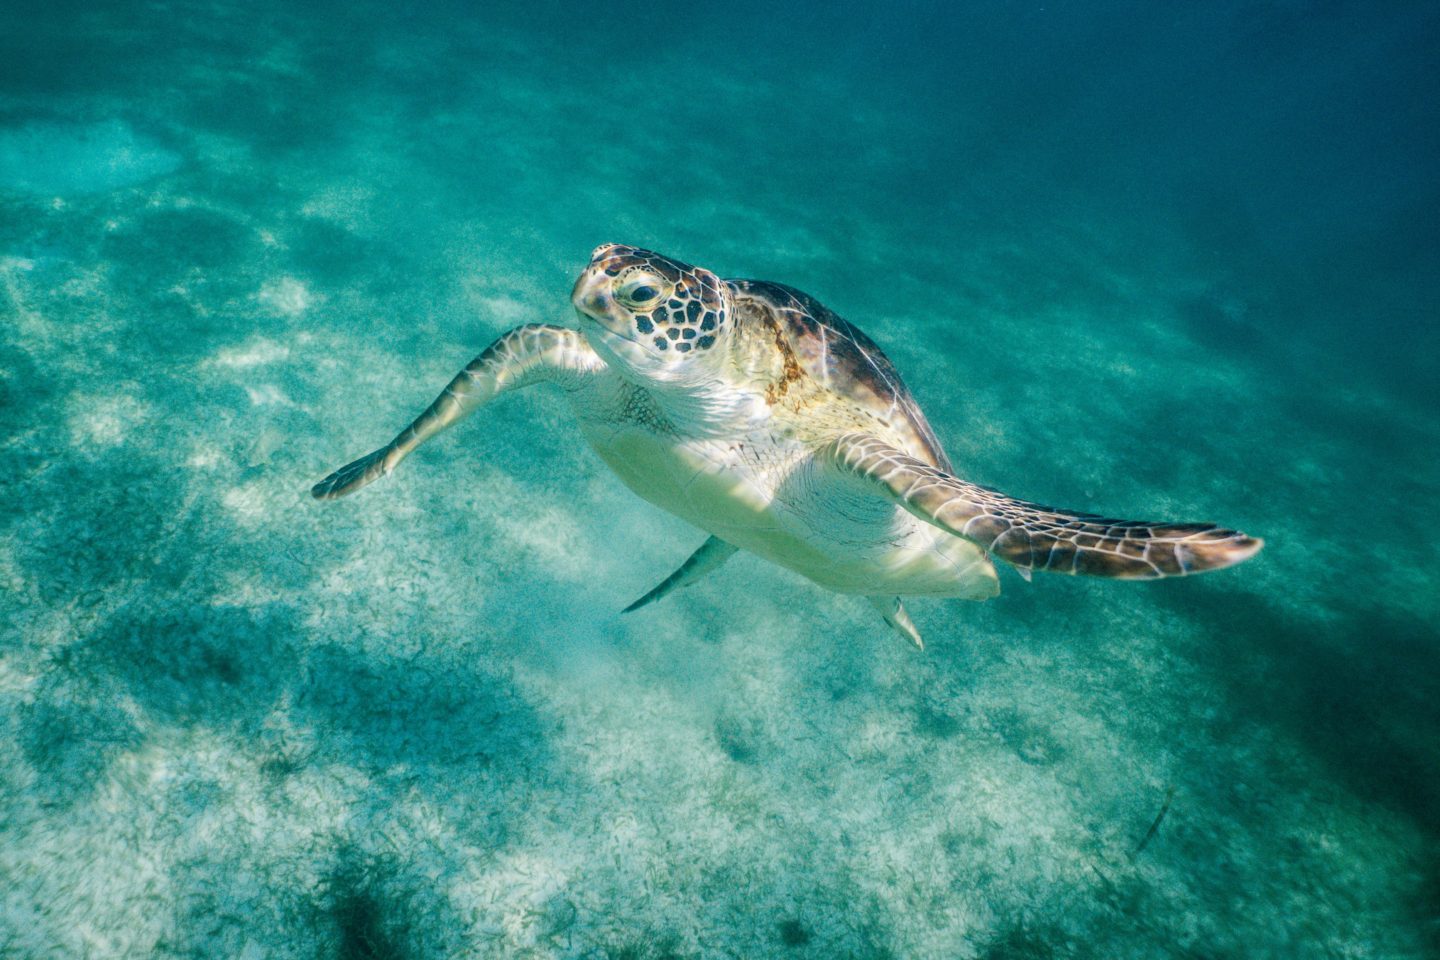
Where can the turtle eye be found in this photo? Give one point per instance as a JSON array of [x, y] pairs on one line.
[[640, 290]]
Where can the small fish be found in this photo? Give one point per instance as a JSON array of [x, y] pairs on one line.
[[270, 440], [1155, 824]]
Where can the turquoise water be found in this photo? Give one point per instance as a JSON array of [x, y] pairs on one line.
[[1132, 258]]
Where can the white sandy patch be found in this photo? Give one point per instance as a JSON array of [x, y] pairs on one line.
[[256, 352], [287, 296], [72, 158], [268, 395], [98, 420], [347, 203]]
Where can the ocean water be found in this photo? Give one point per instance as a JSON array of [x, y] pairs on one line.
[[1147, 259]]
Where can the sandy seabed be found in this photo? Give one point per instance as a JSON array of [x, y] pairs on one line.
[[237, 250]]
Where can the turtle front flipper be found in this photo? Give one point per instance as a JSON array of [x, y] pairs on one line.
[[356, 474], [712, 553], [1035, 537], [525, 355]]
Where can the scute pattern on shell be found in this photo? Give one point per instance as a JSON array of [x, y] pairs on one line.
[[842, 358]]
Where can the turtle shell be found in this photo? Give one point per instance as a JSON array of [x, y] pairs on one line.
[[838, 355]]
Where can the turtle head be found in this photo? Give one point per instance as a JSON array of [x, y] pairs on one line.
[[659, 318]]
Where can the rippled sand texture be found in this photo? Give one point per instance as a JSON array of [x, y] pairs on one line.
[[1141, 262]]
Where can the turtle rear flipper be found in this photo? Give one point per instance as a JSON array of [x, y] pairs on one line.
[[1035, 537], [892, 609], [712, 553]]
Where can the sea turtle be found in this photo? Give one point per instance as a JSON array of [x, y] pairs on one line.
[[752, 411]]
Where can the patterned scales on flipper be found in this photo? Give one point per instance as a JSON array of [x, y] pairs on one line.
[[1036, 537], [837, 354]]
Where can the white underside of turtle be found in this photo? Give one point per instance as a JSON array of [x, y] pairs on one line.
[[755, 413], [773, 497]]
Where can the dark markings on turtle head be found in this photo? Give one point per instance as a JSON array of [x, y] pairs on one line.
[[697, 300]]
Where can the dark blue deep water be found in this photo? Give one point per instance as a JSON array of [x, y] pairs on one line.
[[1148, 259]]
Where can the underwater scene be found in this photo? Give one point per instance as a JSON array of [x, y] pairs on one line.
[[1174, 261]]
